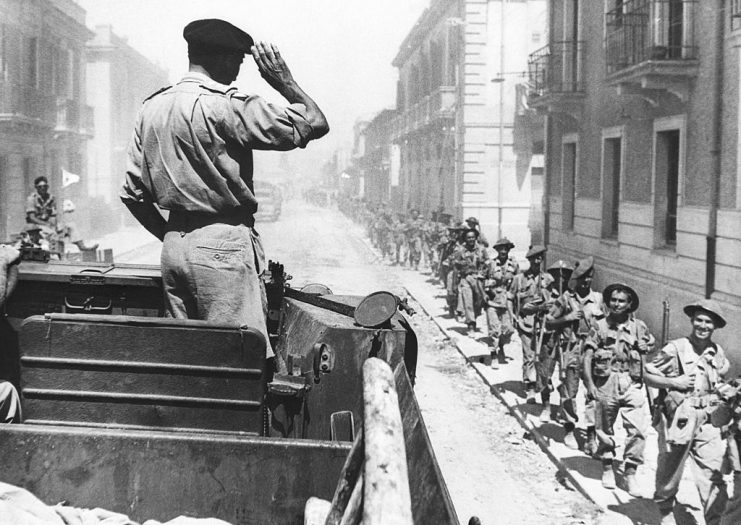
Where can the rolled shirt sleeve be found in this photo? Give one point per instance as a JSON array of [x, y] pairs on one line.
[[258, 124], [133, 190]]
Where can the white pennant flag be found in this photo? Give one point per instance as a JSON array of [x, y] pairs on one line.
[[69, 178]]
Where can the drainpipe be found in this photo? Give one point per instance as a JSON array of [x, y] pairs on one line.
[[715, 151], [546, 204]]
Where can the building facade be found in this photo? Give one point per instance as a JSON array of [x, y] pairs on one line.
[[378, 163], [642, 148], [119, 78], [459, 71], [44, 120]]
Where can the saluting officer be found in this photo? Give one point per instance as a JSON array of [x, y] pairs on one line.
[[527, 304], [498, 277], [688, 370], [191, 153], [613, 373]]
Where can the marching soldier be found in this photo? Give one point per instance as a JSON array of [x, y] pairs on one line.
[[613, 373], [726, 416], [499, 274], [551, 335], [592, 305], [688, 370], [526, 302], [470, 261], [473, 224], [413, 231], [571, 317]]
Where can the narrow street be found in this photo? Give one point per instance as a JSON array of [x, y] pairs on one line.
[[492, 470]]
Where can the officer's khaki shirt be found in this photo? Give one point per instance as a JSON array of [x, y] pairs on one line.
[[192, 145]]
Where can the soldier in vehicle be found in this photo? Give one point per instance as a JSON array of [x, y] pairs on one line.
[[470, 262], [688, 371], [552, 336], [527, 304], [473, 223], [41, 207], [191, 153], [592, 306], [613, 374], [498, 277]]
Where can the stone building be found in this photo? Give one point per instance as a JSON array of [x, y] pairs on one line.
[[642, 150], [459, 71], [378, 163], [119, 78], [44, 120]]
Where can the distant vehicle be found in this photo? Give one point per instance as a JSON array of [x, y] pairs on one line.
[[269, 201]]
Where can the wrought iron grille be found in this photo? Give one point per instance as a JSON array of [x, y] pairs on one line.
[[642, 30], [557, 68]]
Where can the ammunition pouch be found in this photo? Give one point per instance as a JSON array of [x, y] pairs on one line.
[[602, 363]]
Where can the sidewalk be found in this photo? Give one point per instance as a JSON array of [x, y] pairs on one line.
[[582, 472]]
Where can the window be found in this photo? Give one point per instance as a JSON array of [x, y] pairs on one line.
[[667, 175], [3, 52], [568, 170], [32, 62], [612, 166]]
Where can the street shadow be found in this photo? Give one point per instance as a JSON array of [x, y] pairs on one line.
[[587, 467], [645, 512], [515, 387]]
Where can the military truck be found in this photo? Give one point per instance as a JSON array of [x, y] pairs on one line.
[[128, 410]]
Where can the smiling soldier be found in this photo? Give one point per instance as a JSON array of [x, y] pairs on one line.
[[613, 374], [688, 370]]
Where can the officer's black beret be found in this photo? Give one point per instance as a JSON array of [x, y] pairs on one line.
[[212, 34]]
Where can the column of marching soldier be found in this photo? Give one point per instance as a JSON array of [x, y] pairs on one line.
[[597, 341]]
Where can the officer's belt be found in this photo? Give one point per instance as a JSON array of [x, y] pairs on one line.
[[191, 220]]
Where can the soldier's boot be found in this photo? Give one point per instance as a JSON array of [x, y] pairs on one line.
[[629, 479], [667, 517], [545, 412], [493, 356], [472, 329], [530, 393], [590, 445], [569, 439], [608, 475], [501, 356]]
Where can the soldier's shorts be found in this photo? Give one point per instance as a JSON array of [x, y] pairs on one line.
[[211, 272]]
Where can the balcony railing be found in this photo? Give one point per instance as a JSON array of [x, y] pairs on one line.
[[557, 68], [440, 104], [649, 30]]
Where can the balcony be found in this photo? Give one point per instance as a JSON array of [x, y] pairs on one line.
[[556, 77], [437, 107], [650, 45], [24, 106]]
